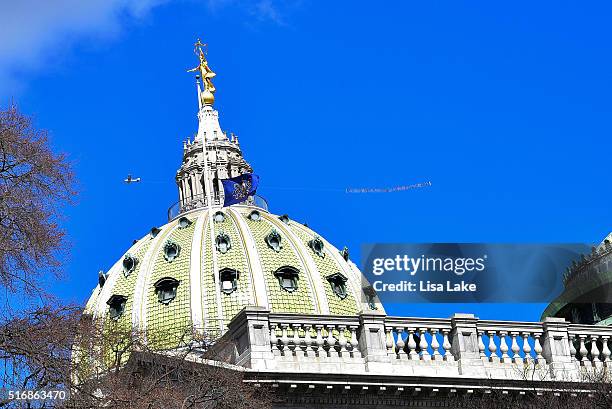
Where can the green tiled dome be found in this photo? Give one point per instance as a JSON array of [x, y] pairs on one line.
[[201, 301], [202, 268]]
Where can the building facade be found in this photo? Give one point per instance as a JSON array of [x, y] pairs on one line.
[[298, 313]]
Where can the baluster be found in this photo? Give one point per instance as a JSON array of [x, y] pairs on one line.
[[493, 357], [594, 350], [342, 340], [355, 352], [447, 346], [319, 342], [515, 348], [481, 345], [572, 348], [400, 343], [284, 339], [349, 344], [526, 346], [294, 344], [390, 342], [274, 340], [425, 356], [605, 351], [331, 341], [537, 347], [307, 341], [435, 345], [583, 351], [412, 353], [503, 346]]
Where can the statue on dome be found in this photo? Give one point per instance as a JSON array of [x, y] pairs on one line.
[[205, 72]]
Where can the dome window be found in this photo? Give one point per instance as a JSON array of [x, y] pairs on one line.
[[229, 280], [338, 285], [287, 278], [219, 217], [166, 289], [345, 253], [116, 305], [184, 222], [316, 245], [223, 243], [171, 250], [154, 232], [255, 216], [284, 218], [129, 264], [273, 240]]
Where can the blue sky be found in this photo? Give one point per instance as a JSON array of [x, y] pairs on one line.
[[504, 108]]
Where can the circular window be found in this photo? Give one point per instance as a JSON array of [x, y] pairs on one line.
[[255, 216], [316, 245], [184, 222], [273, 240], [129, 264], [171, 250], [223, 243]]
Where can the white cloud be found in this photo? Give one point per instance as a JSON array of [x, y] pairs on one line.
[[36, 33], [267, 10]]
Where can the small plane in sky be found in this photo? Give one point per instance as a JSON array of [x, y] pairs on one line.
[[130, 179]]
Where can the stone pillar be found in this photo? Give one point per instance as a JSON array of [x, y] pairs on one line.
[[464, 344], [372, 341], [249, 332], [556, 349]]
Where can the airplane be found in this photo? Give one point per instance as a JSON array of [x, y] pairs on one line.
[[130, 179]]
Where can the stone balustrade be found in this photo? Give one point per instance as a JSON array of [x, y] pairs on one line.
[[598, 261], [589, 345], [318, 337], [458, 347]]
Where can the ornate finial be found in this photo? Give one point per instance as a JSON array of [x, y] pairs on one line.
[[206, 96]]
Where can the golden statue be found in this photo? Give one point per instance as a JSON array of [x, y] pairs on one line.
[[206, 73]]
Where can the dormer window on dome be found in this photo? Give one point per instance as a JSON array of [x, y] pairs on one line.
[[338, 285], [273, 240], [284, 218], [166, 289], [255, 216], [316, 245], [219, 217], [228, 278], [171, 250], [129, 264], [116, 305], [154, 232], [184, 222], [223, 243], [287, 278]]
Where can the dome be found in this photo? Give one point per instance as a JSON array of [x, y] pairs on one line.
[[219, 254], [210, 266]]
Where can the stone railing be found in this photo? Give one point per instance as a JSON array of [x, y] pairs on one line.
[[461, 346], [200, 200], [597, 262]]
